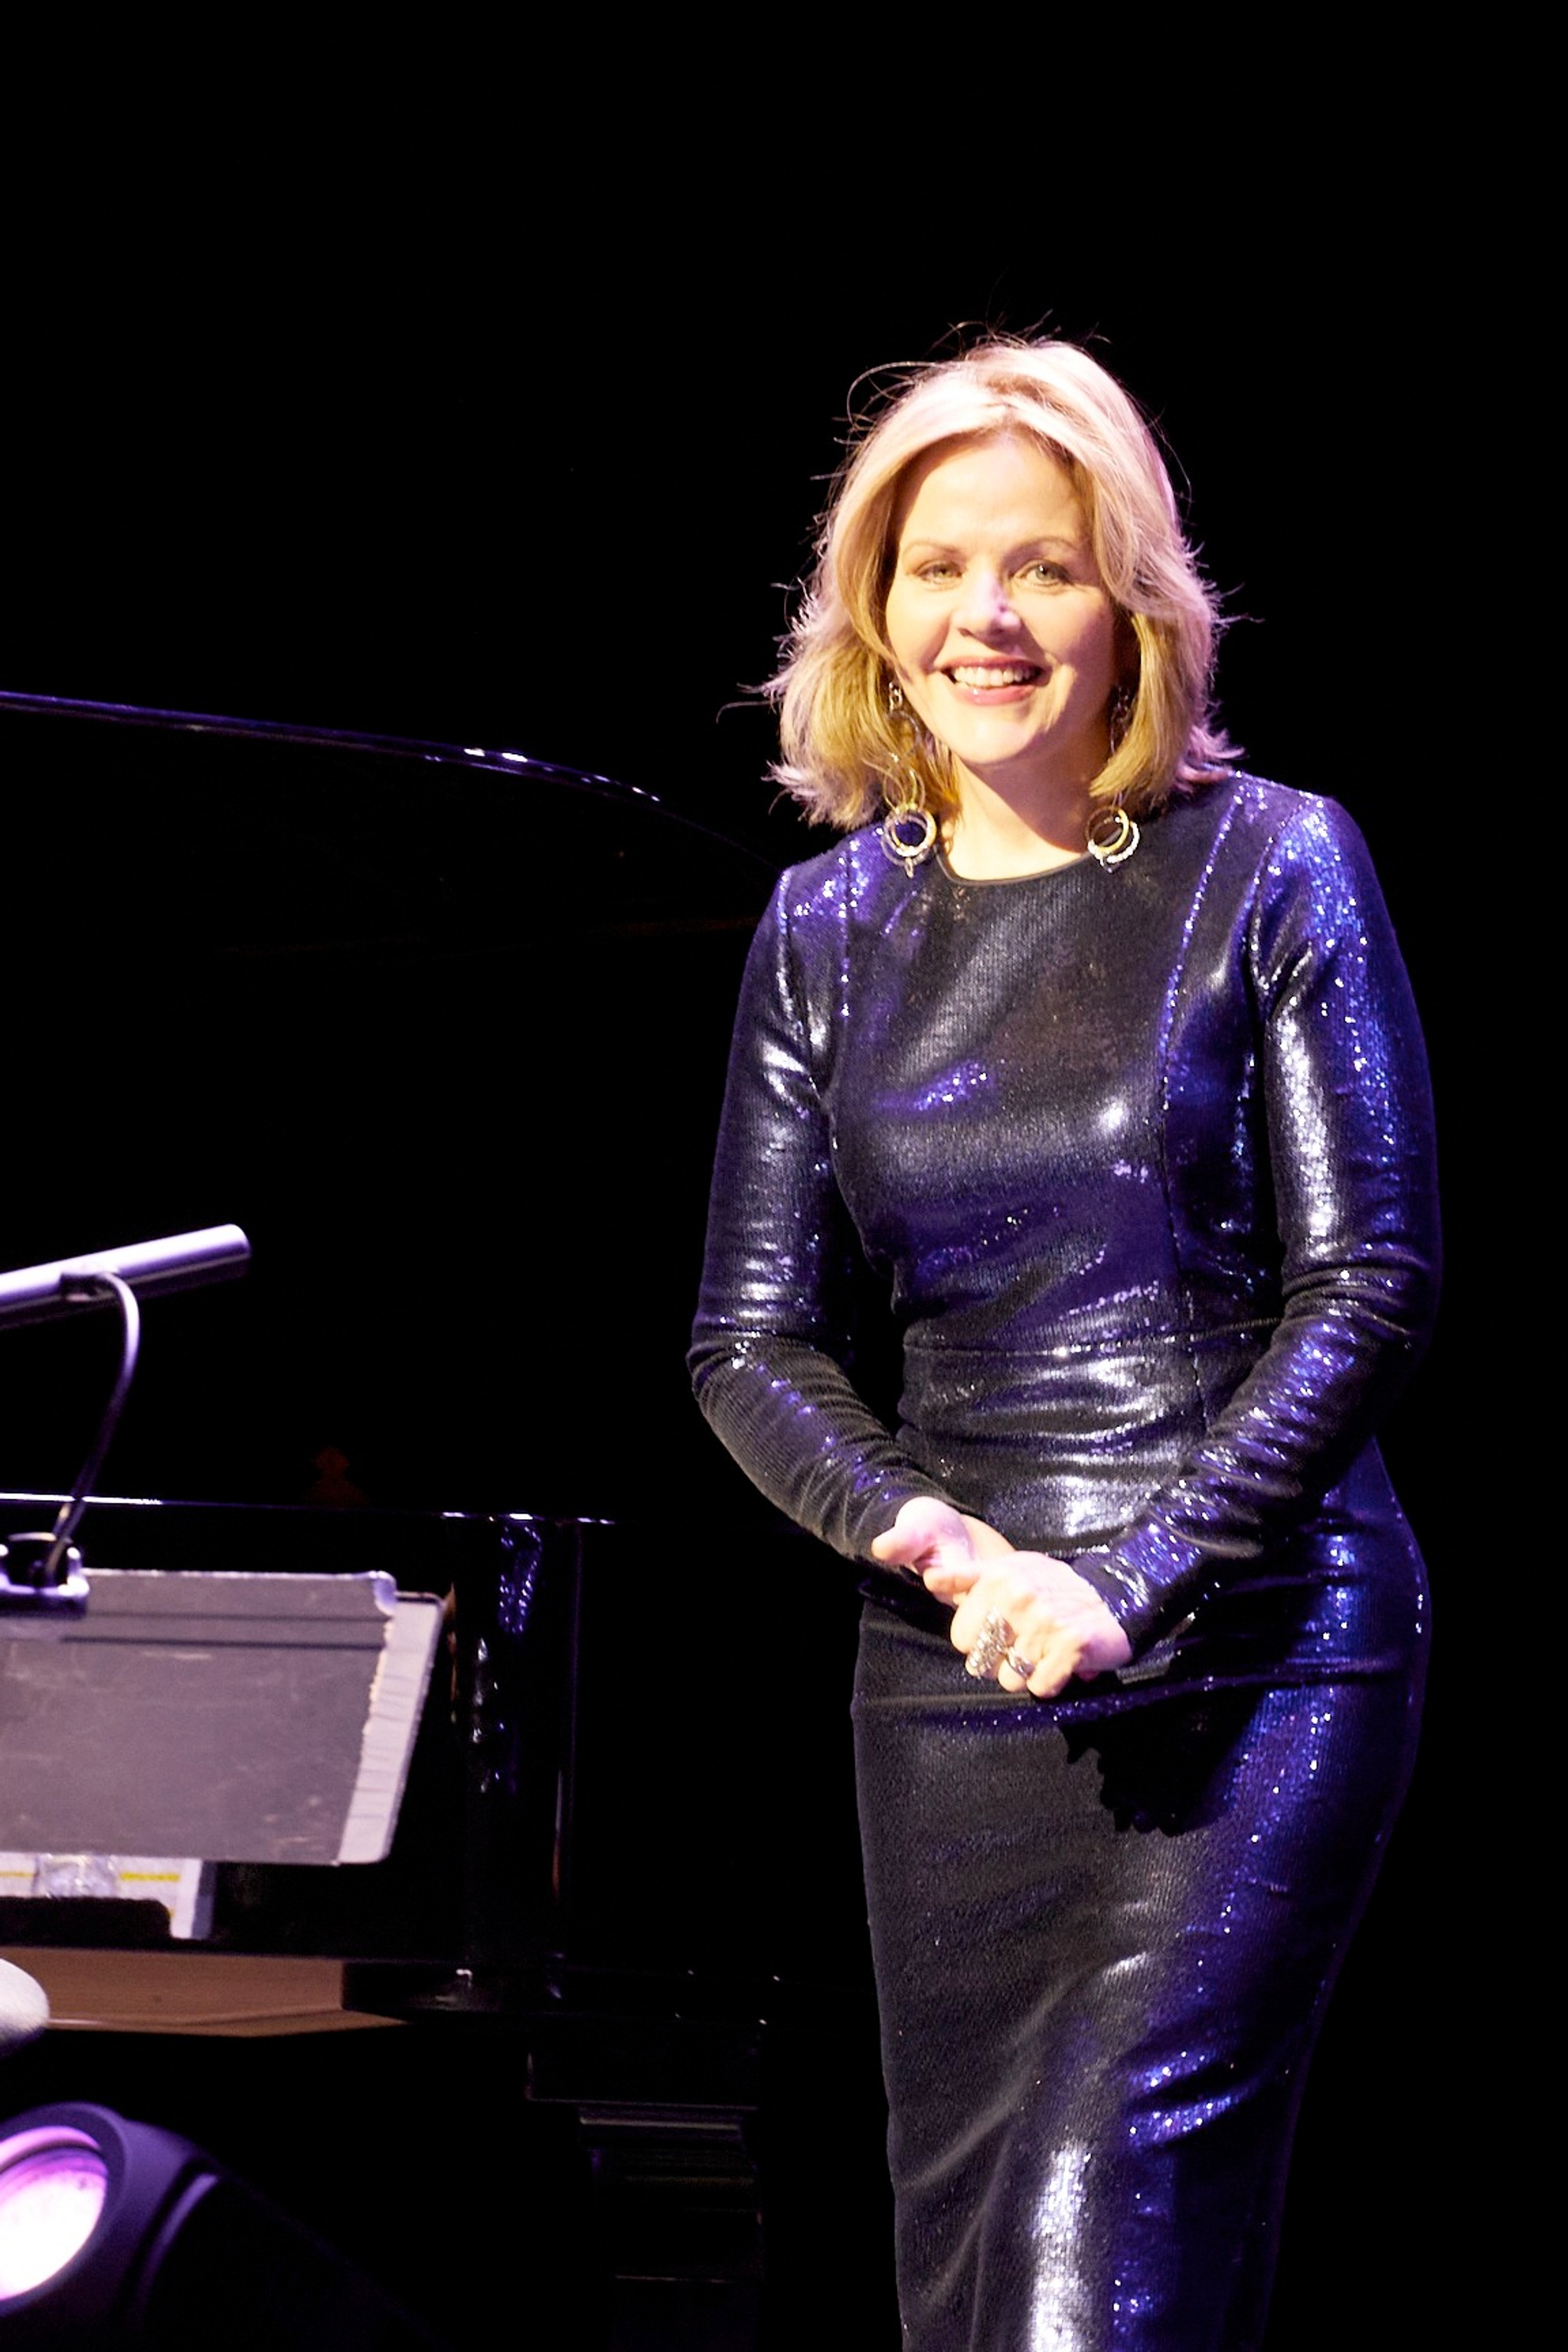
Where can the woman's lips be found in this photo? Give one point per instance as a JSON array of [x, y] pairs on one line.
[[993, 680]]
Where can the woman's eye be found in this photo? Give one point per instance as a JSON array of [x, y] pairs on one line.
[[1043, 570]]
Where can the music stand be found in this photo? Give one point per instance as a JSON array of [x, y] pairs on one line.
[[217, 1716]]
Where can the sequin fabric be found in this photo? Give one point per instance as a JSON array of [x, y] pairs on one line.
[[1141, 1164]]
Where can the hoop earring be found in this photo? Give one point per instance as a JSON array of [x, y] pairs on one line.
[[909, 831], [1111, 835]]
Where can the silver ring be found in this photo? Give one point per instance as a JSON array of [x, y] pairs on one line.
[[991, 1645], [1022, 1667]]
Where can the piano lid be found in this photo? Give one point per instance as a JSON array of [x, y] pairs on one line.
[[442, 1027]]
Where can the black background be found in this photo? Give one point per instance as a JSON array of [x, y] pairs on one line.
[[348, 409]]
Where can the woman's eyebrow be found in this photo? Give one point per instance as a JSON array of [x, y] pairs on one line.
[[949, 547]]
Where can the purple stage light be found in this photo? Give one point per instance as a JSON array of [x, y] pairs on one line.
[[53, 2182], [115, 2234]]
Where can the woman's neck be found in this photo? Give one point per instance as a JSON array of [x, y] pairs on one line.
[[996, 837]]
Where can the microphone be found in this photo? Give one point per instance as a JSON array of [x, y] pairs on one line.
[[23, 2007], [212, 1254]]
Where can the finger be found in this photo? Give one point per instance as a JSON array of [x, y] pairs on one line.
[[1042, 1654], [899, 1547], [1016, 1668], [950, 1583], [924, 1529], [1047, 1677], [976, 1609], [967, 1620], [1055, 1669], [989, 1647]]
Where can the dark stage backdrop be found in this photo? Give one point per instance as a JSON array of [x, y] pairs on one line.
[[450, 1046]]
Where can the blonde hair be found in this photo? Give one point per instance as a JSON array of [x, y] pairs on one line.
[[842, 749]]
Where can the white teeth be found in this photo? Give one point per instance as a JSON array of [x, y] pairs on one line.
[[989, 675]]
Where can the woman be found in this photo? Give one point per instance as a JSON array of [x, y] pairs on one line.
[[1097, 1057]]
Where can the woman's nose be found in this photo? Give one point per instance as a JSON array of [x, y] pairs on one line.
[[987, 605]]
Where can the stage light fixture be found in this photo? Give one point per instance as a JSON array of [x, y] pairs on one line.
[[52, 2185], [119, 2233]]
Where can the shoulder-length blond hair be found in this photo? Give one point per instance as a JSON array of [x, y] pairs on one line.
[[842, 748]]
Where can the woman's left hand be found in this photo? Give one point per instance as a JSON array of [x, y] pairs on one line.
[[1033, 1623]]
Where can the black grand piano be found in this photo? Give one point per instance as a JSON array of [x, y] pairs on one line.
[[443, 1028]]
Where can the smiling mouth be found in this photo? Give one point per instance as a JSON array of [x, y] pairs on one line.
[[977, 675]]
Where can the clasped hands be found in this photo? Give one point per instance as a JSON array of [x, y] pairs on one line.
[[1055, 1623]]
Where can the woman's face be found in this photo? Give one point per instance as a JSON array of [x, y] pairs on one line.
[[1003, 636]]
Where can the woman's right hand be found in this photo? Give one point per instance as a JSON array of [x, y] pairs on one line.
[[943, 1547]]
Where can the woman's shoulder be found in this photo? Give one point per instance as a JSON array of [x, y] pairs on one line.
[[803, 937], [1292, 867], [1237, 799], [1262, 829], [850, 863], [854, 878]]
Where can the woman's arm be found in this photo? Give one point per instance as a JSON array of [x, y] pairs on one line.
[[1351, 1144], [772, 1344]]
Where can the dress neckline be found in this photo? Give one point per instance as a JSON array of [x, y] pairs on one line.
[[1009, 881]]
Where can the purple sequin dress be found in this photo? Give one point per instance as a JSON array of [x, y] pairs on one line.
[[1143, 1159]]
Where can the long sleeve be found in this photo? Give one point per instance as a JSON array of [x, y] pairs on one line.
[[772, 1343], [1350, 1145]]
